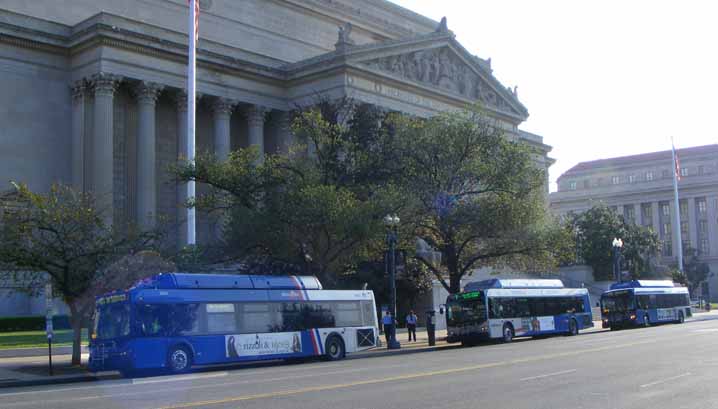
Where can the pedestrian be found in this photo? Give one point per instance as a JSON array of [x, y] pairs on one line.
[[388, 322], [411, 324]]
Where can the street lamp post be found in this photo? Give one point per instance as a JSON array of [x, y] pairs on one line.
[[617, 245], [392, 222]]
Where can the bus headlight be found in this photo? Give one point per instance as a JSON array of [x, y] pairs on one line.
[[633, 316]]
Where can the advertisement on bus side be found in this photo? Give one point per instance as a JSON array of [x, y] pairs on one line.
[[262, 344], [522, 325]]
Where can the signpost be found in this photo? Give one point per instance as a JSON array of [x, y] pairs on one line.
[[48, 322]]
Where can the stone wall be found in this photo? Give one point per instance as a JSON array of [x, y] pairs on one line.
[[35, 112]]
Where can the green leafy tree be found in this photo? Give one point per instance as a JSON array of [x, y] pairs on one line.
[[595, 230], [477, 197], [695, 270], [319, 207], [61, 235]]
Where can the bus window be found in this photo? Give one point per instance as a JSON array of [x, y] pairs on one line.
[[221, 318], [112, 321], [347, 314], [255, 317]]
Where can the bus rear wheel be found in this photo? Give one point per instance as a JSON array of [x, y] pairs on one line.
[[508, 333], [572, 327], [179, 360], [334, 349]]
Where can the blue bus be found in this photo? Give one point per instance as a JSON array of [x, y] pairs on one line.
[[644, 302], [174, 322], [505, 309]]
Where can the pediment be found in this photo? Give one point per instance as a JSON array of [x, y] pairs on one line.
[[445, 69]]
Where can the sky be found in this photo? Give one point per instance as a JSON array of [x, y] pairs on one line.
[[600, 79]]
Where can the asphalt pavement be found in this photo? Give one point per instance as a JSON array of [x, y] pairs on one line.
[[669, 366]]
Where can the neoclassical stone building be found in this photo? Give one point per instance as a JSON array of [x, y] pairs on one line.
[[93, 90], [640, 187]]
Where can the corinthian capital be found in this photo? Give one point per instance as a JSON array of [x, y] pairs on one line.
[[104, 83], [223, 106], [256, 114], [147, 92], [180, 98], [78, 90]]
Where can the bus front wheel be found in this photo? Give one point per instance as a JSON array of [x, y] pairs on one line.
[[508, 333], [681, 318], [179, 360], [334, 349], [572, 327]]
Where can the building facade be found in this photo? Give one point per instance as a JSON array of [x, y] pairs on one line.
[[94, 90], [640, 188]]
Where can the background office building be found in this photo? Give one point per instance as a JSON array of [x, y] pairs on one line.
[[640, 187]]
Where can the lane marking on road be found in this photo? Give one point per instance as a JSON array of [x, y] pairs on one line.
[[179, 378], [548, 375], [648, 385], [396, 378], [704, 330]]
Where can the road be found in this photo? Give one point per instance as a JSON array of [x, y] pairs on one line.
[[670, 366]]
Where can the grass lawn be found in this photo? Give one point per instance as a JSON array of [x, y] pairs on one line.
[[30, 339]]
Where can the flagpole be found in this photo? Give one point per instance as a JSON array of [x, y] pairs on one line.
[[677, 217], [191, 115]]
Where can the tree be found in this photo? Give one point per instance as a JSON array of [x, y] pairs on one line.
[[477, 197], [62, 235], [595, 230], [317, 210], [695, 270]]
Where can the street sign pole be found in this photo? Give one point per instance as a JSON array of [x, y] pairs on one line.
[[48, 323]]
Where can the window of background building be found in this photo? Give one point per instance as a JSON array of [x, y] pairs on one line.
[[665, 209], [665, 174], [684, 230], [703, 227], [572, 185], [703, 247], [702, 205], [646, 214], [667, 248], [586, 183], [631, 178], [686, 245], [684, 171], [649, 176], [683, 204], [615, 180], [700, 169], [629, 213]]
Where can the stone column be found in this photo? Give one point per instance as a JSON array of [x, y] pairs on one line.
[[692, 223], [181, 100], [255, 120], [147, 93], [78, 135], [655, 209], [222, 108], [103, 148], [284, 130], [712, 218]]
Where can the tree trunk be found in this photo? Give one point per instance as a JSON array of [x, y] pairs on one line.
[[76, 323], [454, 283]]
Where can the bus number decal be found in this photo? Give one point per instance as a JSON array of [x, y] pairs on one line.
[[262, 344]]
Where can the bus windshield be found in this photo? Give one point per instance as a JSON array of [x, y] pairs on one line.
[[112, 321], [618, 302], [467, 308]]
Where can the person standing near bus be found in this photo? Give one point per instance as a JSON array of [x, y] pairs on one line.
[[411, 324], [388, 322]]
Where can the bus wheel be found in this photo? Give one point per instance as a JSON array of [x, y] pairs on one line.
[[572, 327], [179, 360], [681, 318], [508, 333], [334, 349], [646, 321]]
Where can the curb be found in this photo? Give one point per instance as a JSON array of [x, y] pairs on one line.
[[42, 351], [58, 380]]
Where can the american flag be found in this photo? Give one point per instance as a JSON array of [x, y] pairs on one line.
[[677, 165], [196, 18]]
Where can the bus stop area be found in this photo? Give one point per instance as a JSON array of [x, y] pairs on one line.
[[20, 368]]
